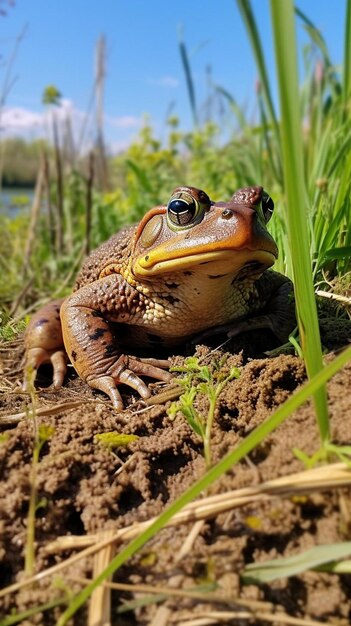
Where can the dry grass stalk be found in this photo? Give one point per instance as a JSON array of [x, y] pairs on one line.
[[34, 217], [333, 296], [59, 186], [89, 203], [6, 346], [51, 223], [43, 411], [176, 592], [317, 479], [207, 621], [214, 617], [259, 609], [15, 418], [100, 601], [189, 542], [17, 301], [5, 383], [172, 393], [69, 278]]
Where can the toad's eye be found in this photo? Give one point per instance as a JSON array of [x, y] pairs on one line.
[[181, 212], [267, 206], [184, 210]]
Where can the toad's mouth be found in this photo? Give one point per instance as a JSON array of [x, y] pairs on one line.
[[227, 259]]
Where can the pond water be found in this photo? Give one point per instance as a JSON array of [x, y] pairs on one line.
[[15, 200]]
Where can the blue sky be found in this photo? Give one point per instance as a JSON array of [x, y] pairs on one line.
[[144, 71]]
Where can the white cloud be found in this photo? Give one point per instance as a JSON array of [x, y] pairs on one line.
[[116, 147], [17, 119], [164, 81], [125, 121], [28, 124]]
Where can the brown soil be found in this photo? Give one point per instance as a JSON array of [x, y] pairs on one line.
[[82, 494]]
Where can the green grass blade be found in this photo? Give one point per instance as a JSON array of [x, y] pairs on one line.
[[237, 110], [282, 568], [251, 27], [160, 597], [297, 221], [344, 252], [19, 618], [249, 443], [315, 35], [271, 151], [347, 57], [340, 154], [189, 79], [339, 567]]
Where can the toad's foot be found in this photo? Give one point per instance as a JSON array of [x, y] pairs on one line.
[[35, 357], [44, 344], [93, 347], [127, 370]]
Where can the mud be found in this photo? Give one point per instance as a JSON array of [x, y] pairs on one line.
[[85, 488]]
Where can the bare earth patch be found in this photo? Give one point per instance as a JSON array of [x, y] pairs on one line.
[[88, 489]]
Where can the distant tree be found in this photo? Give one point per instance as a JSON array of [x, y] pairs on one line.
[[9, 79], [21, 163]]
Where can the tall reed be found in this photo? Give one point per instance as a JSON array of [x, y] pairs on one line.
[[283, 20]]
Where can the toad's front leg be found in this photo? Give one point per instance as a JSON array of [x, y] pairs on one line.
[[93, 348], [44, 344]]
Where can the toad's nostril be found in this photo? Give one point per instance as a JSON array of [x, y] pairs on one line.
[[227, 214]]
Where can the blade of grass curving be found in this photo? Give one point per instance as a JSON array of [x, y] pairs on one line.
[[249, 443], [336, 228], [344, 187], [189, 78], [342, 151], [315, 35], [331, 208], [329, 239], [297, 221], [251, 27], [237, 110], [318, 39], [344, 252], [19, 618], [272, 154], [309, 559], [347, 58]]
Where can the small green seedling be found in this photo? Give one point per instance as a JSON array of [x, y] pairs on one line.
[[208, 381], [326, 453], [41, 434], [113, 439]]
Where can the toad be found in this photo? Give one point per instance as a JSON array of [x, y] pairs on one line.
[[189, 269]]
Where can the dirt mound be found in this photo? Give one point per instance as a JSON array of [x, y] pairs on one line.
[[85, 488]]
